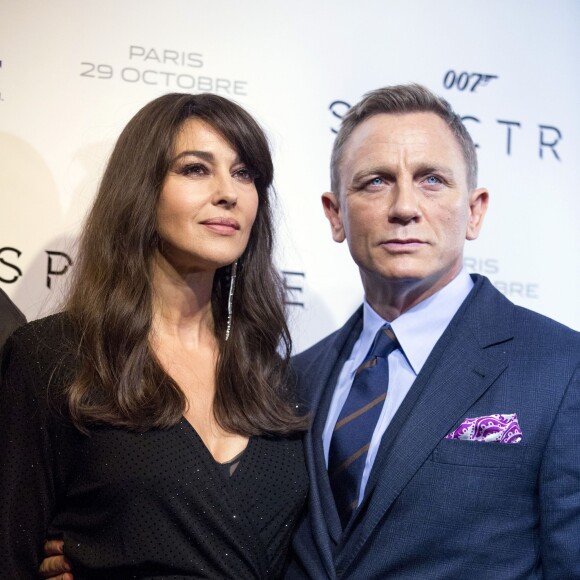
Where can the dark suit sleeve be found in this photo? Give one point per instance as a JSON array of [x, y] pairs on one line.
[[26, 466], [559, 488]]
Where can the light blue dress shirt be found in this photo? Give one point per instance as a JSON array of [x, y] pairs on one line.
[[417, 331]]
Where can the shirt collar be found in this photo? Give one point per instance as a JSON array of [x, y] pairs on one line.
[[419, 328]]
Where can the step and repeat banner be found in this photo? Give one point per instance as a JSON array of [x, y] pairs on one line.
[[72, 74]]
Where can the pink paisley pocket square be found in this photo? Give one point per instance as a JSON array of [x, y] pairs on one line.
[[489, 429]]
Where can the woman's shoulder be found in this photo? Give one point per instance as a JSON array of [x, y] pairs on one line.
[[51, 332], [41, 345]]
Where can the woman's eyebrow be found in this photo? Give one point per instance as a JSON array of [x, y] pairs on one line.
[[206, 155]]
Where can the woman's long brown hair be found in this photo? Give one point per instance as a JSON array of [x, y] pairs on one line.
[[119, 381]]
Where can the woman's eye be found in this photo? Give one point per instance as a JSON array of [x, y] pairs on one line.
[[193, 169], [244, 174]]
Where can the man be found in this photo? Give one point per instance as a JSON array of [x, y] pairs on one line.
[[10, 318], [463, 455]]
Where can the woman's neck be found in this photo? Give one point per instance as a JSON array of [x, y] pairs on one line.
[[182, 304]]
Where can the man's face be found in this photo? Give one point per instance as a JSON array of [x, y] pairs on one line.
[[404, 206]]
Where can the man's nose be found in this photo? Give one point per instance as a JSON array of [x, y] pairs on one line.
[[404, 202]]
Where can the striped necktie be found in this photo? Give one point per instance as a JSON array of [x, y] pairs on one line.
[[356, 423]]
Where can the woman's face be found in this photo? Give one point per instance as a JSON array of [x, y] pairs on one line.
[[208, 201]]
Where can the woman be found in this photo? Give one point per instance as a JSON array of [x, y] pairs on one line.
[[150, 425]]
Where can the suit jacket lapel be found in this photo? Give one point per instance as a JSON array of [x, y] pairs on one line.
[[339, 353], [456, 374], [321, 374]]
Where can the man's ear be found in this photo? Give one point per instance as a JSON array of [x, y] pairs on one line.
[[333, 214], [478, 200]]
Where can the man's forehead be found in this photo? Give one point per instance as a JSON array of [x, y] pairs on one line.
[[392, 135], [401, 128]]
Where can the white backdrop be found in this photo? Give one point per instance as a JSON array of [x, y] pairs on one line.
[[72, 73]]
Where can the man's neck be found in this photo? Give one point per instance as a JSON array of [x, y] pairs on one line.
[[389, 299]]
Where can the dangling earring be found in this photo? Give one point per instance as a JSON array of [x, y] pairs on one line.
[[231, 297]]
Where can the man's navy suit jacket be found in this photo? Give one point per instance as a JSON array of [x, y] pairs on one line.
[[445, 508]]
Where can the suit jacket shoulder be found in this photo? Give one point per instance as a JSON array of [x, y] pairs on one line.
[[492, 319], [541, 329]]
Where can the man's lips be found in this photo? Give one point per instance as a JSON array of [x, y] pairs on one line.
[[222, 225], [403, 245]]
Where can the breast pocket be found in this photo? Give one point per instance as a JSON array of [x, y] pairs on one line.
[[480, 454]]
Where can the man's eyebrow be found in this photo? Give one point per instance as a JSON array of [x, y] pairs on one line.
[[372, 170], [424, 169], [421, 169]]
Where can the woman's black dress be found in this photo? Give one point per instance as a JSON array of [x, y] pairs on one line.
[[127, 504]]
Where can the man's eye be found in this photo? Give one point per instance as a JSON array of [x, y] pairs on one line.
[[432, 180], [375, 181]]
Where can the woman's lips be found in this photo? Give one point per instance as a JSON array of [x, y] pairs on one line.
[[226, 226]]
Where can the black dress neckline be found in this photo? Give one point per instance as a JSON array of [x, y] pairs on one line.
[[228, 468]]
